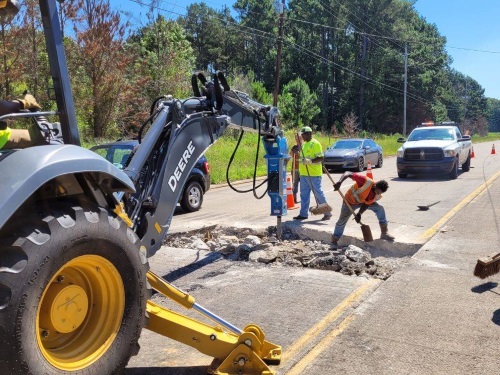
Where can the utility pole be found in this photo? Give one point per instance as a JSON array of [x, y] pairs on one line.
[[281, 11], [278, 55], [404, 92], [362, 85]]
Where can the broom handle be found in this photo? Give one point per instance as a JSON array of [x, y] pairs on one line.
[[297, 138], [341, 194]]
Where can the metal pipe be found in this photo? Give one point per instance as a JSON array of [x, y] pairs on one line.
[[217, 319]]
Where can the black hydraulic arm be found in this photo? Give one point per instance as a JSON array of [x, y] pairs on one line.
[[179, 135]]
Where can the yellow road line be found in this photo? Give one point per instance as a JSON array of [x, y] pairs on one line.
[[432, 230], [332, 316], [322, 345]]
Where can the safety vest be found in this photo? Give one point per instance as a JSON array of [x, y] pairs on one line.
[[311, 150], [359, 195], [4, 136]]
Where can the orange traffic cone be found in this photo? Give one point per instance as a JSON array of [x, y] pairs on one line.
[[290, 204], [369, 173], [472, 154], [493, 152]]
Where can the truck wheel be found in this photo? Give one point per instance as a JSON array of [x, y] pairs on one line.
[[454, 171], [72, 293], [466, 165], [361, 164], [192, 198], [402, 175]]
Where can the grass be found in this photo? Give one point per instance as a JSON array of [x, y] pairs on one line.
[[243, 164]]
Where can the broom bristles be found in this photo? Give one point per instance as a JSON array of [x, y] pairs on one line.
[[322, 209], [487, 266]]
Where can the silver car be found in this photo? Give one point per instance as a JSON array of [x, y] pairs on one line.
[[354, 153]]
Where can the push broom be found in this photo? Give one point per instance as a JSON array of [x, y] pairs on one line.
[[320, 209], [365, 228], [487, 266]]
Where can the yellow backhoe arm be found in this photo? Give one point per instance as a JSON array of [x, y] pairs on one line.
[[236, 352]]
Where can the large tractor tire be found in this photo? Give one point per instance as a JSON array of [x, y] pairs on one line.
[[72, 293]]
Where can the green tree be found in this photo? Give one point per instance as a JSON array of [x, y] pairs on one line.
[[298, 103], [163, 62]]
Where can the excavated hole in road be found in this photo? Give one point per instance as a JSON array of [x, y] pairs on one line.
[[262, 246]]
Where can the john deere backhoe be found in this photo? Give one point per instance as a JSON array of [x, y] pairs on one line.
[[76, 232]]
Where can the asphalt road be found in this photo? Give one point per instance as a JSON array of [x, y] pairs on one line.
[[430, 317]]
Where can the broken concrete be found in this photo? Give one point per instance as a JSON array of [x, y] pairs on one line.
[[293, 250]]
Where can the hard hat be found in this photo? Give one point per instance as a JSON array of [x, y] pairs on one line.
[[306, 129]]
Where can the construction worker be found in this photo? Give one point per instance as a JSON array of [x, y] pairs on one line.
[[364, 195], [16, 138], [295, 172], [311, 171]]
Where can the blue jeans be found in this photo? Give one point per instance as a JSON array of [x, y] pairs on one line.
[[305, 193], [345, 214]]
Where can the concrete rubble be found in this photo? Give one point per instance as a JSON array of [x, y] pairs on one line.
[[262, 246]]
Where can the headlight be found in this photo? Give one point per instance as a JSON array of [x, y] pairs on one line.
[[401, 153], [449, 153]]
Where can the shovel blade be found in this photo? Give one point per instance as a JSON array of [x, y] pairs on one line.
[[367, 233]]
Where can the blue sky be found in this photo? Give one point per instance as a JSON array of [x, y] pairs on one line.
[[470, 27]]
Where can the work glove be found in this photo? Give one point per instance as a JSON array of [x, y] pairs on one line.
[[306, 161], [336, 186], [357, 217], [29, 102]]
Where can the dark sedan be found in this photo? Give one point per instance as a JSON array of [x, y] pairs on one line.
[[196, 186], [354, 153]]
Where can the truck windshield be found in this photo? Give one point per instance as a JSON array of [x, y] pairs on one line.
[[428, 134]]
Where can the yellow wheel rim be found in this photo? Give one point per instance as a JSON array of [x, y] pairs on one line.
[[80, 312]]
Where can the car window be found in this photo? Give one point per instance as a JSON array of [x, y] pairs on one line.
[[342, 145], [429, 134], [371, 143], [116, 154]]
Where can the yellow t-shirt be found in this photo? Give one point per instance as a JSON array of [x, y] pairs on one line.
[[4, 136], [311, 150]]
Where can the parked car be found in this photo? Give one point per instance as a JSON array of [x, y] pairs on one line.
[[196, 186], [353, 153]]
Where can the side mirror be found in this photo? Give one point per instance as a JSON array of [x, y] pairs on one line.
[[464, 138], [401, 140]]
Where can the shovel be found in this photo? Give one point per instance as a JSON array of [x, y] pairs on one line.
[[365, 228], [425, 208]]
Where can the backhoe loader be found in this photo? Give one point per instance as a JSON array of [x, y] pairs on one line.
[[76, 232]]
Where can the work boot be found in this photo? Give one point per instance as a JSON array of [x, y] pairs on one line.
[[385, 235], [334, 244]]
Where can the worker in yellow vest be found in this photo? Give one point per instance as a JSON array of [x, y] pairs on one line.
[[16, 138]]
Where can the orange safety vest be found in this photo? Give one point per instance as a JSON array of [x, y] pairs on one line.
[[359, 195]]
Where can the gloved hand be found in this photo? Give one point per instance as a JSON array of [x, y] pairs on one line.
[[29, 102], [357, 217], [306, 161], [336, 186]]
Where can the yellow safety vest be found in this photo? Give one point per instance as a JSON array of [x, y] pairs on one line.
[[4, 136]]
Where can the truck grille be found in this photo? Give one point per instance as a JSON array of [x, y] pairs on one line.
[[424, 153]]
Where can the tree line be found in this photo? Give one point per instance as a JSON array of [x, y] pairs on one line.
[[343, 61]]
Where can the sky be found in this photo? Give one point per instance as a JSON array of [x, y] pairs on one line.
[[471, 28]]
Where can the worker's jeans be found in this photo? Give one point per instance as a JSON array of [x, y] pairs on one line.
[[305, 193], [345, 214]]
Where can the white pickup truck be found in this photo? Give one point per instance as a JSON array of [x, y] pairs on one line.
[[434, 149]]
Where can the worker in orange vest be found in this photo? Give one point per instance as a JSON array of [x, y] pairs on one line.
[[364, 195]]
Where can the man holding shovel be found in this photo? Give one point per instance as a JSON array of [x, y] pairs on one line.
[[311, 170], [364, 195]]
